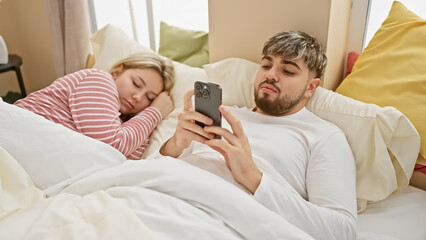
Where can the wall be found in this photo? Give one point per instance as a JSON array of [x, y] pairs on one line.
[[337, 39], [357, 26], [244, 25], [24, 26]]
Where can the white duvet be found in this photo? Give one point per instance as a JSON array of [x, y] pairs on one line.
[[172, 198], [179, 201]]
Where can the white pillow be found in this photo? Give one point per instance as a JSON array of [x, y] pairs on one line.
[[111, 44], [185, 76], [384, 142], [53, 155], [236, 76]]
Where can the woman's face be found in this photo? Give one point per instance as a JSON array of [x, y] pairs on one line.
[[137, 88]]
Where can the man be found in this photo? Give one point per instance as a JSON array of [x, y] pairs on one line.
[[293, 162]]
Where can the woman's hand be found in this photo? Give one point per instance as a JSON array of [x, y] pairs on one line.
[[187, 130], [235, 148], [164, 103]]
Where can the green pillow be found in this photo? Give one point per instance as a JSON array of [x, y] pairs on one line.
[[184, 46]]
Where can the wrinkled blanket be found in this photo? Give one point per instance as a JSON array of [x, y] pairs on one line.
[[26, 213], [177, 200]]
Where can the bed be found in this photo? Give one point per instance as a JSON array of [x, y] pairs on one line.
[[59, 184]]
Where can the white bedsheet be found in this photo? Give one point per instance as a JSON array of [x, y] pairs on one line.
[[401, 216]]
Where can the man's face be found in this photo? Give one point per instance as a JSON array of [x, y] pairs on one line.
[[281, 85]]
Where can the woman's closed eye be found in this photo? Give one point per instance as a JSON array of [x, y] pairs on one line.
[[150, 97], [135, 84]]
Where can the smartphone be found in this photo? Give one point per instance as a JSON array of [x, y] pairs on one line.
[[208, 98]]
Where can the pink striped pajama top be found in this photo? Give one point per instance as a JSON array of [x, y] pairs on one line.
[[87, 102]]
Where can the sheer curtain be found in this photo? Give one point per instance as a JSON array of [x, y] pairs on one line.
[[70, 30]]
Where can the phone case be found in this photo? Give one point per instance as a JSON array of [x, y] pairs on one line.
[[208, 98]]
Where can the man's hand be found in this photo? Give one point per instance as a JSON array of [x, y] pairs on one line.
[[187, 130], [235, 147], [163, 102]]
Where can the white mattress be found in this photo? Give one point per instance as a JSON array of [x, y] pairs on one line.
[[401, 216]]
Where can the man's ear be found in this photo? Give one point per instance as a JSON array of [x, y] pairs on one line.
[[312, 86]]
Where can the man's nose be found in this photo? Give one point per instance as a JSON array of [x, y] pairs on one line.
[[272, 74]]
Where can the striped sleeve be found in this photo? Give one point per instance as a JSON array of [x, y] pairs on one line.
[[143, 124], [94, 107]]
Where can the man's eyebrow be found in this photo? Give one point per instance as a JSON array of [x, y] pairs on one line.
[[267, 58], [290, 62]]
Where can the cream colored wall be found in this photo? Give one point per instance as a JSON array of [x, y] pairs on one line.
[[337, 41], [238, 28], [242, 24], [25, 28]]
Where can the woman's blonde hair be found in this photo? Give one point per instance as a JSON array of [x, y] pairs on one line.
[[162, 65]]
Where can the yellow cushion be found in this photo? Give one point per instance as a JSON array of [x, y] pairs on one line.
[[391, 71]]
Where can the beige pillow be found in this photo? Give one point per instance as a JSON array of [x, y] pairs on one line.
[[185, 77], [111, 44], [236, 76], [384, 142]]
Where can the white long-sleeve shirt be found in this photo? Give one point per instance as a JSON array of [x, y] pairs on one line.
[[308, 170]]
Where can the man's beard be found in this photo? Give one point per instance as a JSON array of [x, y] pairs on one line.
[[276, 106]]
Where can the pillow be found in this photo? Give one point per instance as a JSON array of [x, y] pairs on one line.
[[233, 74], [185, 46], [384, 142], [239, 74], [53, 155], [185, 77], [391, 71], [113, 44], [352, 57]]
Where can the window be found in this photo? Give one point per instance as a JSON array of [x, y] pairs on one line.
[[368, 15], [379, 9], [140, 19]]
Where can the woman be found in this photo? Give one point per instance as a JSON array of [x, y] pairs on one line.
[[120, 108]]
